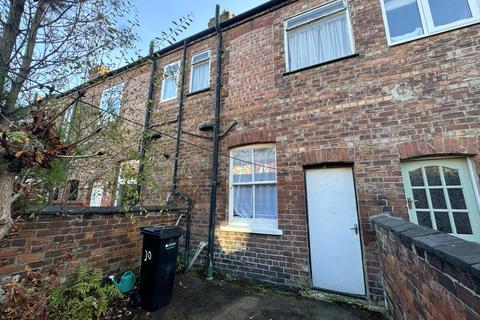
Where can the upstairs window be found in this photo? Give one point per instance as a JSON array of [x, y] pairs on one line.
[[111, 102], [170, 80], [72, 189], [67, 121], [127, 184], [319, 35], [200, 76], [410, 19]]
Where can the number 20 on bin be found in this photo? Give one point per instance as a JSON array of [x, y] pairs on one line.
[[148, 255]]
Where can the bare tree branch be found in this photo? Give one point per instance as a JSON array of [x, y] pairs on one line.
[[7, 43], [27, 56]]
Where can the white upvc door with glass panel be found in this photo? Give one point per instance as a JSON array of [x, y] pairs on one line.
[[442, 194]]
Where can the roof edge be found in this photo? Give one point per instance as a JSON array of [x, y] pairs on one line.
[[243, 17]]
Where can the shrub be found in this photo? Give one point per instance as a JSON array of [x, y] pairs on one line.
[[88, 297]]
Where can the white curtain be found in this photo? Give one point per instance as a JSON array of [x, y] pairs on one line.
[[242, 166], [96, 196], [322, 42], [169, 88], [265, 164], [243, 201], [200, 76], [266, 201]]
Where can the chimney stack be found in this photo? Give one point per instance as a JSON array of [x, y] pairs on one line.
[[224, 16], [97, 71]]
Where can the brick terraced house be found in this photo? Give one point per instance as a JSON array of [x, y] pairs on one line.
[[330, 112]]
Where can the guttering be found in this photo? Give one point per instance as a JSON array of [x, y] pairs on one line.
[[241, 18], [216, 138]]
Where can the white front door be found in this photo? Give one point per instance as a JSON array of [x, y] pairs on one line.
[[441, 194], [97, 194], [335, 249]]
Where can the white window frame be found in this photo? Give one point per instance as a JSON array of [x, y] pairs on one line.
[[107, 115], [319, 19], [192, 64], [120, 179], [97, 185], [162, 98], [67, 121], [426, 18], [251, 225], [68, 117]]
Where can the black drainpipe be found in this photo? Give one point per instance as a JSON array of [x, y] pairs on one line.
[[179, 117], [146, 125], [216, 137], [175, 190]]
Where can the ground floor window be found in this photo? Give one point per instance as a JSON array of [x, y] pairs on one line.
[[253, 188], [72, 189], [97, 194], [443, 195], [127, 184]]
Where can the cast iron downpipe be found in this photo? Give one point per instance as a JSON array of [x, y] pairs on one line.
[[179, 117], [188, 223], [179, 194], [216, 133], [146, 139], [146, 124]]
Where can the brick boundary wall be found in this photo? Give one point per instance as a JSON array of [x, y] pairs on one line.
[[427, 274], [110, 241]]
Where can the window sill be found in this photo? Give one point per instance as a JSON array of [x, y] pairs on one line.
[[321, 64], [198, 91], [457, 27], [252, 229]]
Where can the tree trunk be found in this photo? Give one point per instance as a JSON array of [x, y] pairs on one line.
[[8, 38], [6, 190]]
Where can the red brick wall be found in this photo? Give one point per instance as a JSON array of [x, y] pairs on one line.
[[373, 110], [421, 282], [347, 111], [111, 242]]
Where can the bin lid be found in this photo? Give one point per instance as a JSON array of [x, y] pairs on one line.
[[162, 232]]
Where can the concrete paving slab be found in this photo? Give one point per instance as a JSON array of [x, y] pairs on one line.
[[198, 299]]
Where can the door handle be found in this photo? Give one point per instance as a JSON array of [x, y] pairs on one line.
[[355, 228], [411, 202]]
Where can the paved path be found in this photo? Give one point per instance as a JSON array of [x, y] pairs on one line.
[[197, 299]]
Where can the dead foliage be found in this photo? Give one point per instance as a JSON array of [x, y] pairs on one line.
[[26, 296], [36, 141]]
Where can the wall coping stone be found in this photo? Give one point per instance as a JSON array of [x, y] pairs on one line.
[[476, 270], [460, 253], [59, 210]]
